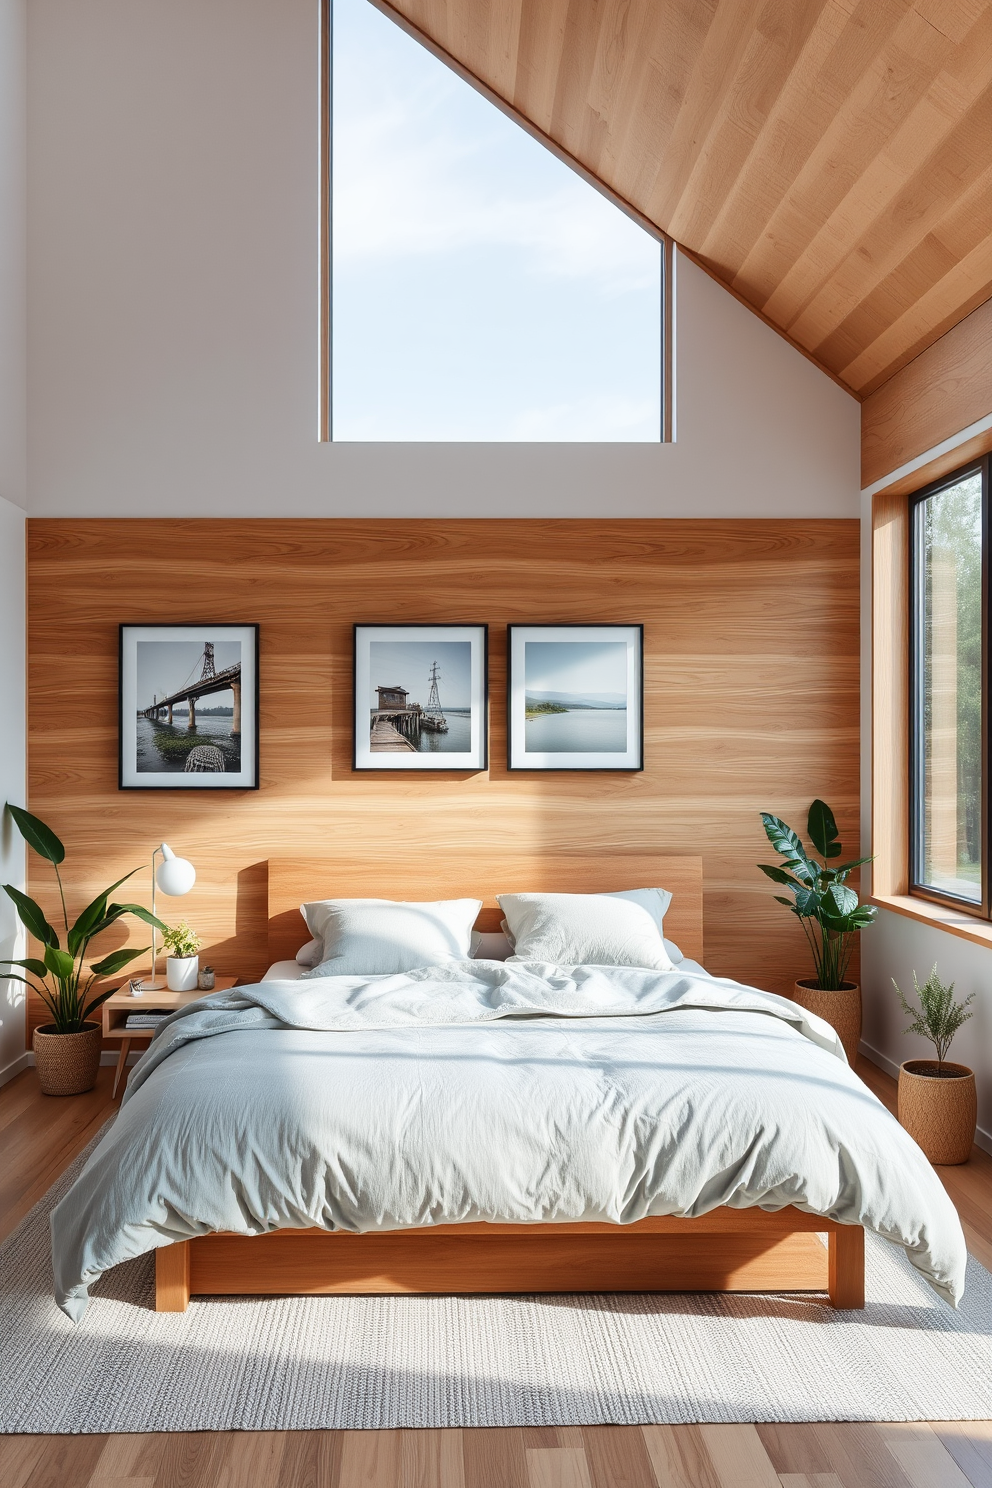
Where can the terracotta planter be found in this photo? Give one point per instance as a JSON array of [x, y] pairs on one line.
[[842, 1010], [939, 1111], [67, 1062]]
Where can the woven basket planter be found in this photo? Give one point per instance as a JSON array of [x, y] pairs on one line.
[[939, 1112], [67, 1062], [842, 1010]]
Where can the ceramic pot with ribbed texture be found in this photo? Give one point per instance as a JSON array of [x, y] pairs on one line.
[[841, 1009], [67, 1062], [939, 1111]]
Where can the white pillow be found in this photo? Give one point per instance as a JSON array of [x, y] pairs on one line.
[[380, 937], [310, 954], [587, 929], [655, 901]]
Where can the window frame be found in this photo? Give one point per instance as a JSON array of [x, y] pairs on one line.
[[917, 886]]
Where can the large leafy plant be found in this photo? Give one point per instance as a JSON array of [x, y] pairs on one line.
[[826, 907], [59, 976], [939, 1015]]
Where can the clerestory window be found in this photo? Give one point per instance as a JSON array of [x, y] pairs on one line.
[[479, 289]]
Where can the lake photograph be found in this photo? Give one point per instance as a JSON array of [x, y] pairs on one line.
[[420, 697], [575, 697]]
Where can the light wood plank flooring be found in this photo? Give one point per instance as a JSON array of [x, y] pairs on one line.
[[39, 1136]]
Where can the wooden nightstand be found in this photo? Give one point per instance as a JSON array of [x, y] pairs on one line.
[[117, 1007]]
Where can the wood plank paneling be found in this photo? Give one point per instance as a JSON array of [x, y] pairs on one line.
[[944, 390], [828, 161], [751, 657]]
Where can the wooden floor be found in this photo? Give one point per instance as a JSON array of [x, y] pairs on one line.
[[39, 1136]]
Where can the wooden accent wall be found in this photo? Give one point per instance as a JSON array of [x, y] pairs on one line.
[[751, 654], [946, 389]]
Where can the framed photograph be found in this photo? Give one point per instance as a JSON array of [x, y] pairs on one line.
[[188, 707], [575, 697], [421, 697]]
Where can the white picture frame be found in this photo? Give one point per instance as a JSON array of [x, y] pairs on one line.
[[575, 697], [420, 692]]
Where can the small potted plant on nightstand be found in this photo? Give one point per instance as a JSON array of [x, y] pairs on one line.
[[183, 966], [830, 914], [67, 1050], [938, 1102]]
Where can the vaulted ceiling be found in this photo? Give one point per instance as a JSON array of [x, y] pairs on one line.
[[829, 160]]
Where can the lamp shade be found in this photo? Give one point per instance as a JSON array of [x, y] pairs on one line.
[[175, 876]]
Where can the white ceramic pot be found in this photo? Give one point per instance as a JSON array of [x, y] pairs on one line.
[[181, 972]]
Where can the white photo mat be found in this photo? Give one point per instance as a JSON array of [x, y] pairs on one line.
[[393, 667], [598, 679]]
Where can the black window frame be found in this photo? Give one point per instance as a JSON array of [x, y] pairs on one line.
[[918, 887]]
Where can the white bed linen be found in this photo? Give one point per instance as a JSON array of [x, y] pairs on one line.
[[494, 1092]]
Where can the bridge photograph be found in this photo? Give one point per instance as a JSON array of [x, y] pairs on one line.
[[420, 697], [189, 708]]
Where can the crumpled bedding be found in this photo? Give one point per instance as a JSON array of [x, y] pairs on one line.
[[497, 1092]]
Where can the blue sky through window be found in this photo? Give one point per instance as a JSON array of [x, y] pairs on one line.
[[481, 290]]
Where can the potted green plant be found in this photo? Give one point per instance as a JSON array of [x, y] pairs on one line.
[[937, 1101], [67, 1050], [182, 967], [830, 913]]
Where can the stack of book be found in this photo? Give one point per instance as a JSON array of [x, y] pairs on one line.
[[145, 1020]]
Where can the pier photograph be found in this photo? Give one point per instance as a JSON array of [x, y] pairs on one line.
[[574, 696], [421, 692], [187, 703]]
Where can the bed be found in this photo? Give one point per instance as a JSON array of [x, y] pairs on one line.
[[765, 1237]]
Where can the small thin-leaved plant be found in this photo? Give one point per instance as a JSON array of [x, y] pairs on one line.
[[939, 1015], [181, 940]]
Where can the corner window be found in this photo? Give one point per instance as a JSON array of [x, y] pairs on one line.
[[949, 666]]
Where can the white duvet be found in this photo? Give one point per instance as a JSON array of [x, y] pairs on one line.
[[490, 1091]]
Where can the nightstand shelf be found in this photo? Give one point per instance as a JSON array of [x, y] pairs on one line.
[[121, 1004]]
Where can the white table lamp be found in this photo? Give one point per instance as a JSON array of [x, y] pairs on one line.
[[174, 876]]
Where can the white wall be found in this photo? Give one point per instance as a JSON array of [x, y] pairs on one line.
[[12, 773], [173, 311], [13, 498]]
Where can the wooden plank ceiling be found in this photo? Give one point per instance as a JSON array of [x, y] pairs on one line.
[[828, 160]]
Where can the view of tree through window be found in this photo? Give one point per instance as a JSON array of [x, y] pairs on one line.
[[481, 290], [949, 689]]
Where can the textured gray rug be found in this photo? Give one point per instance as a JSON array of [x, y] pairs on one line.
[[352, 1362]]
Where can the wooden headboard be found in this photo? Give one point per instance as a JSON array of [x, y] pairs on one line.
[[293, 881]]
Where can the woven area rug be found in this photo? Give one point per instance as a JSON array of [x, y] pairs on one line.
[[371, 1362]]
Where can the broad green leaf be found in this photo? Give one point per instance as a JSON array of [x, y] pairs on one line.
[[92, 915], [849, 867], [808, 904], [822, 830], [31, 916], [784, 840], [30, 963], [840, 900], [139, 911], [59, 963], [37, 835], [778, 875], [113, 963]]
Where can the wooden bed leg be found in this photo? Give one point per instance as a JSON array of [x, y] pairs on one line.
[[846, 1259], [172, 1277]]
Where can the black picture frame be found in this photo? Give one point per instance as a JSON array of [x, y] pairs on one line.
[[203, 764], [630, 758], [415, 747]]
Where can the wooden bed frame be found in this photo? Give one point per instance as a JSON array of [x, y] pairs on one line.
[[727, 1250]]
